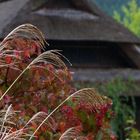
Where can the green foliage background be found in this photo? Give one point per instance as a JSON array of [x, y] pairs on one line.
[[131, 17], [110, 6], [126, 12]]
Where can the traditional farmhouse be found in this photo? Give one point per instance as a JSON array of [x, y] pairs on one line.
[[87, 36]]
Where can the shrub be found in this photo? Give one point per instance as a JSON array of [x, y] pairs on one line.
[[39, 83], [124, 106]]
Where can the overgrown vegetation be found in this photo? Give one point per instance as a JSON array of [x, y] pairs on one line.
[[37, 100], [124, 106], [121, 93]]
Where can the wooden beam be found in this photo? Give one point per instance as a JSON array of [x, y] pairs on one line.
[[103, 75], [133, 52]]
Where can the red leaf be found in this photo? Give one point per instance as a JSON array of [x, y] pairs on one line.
[[8, 59], [7, 99], [27, 53]]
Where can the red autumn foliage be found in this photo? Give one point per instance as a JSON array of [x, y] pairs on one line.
[[42, 88]]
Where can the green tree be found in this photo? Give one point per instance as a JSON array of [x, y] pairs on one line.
[[131, 16]]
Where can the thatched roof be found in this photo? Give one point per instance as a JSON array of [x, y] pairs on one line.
[[64, 20], [9, 9]]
